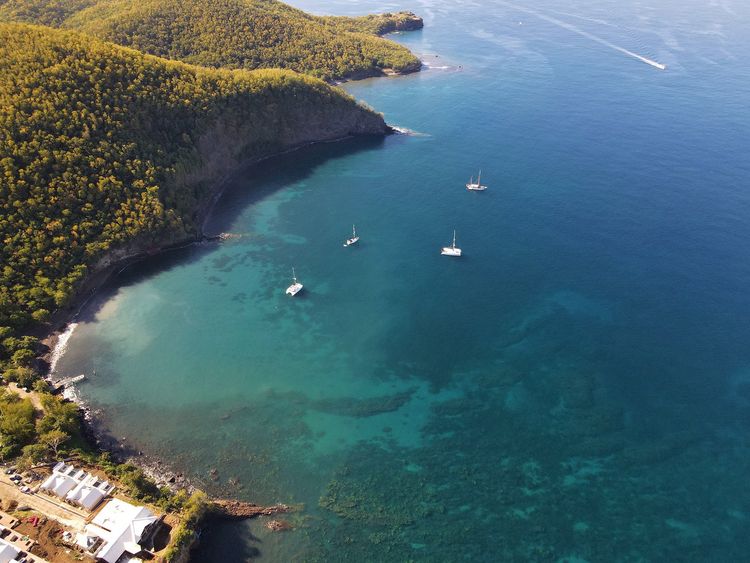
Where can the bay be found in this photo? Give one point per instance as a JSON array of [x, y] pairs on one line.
[[575, 387]]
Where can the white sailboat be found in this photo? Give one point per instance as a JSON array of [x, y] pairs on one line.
[[354, 239], [451, 250], [296, 287], [476, 187]]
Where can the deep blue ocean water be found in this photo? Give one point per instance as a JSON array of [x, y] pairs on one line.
[[576, 387]]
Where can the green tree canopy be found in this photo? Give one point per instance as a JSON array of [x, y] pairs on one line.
[[248, 34], [16, 422]]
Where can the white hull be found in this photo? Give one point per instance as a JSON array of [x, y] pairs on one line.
[[476, 186], [351, 241], [294, 289], [450, 251]]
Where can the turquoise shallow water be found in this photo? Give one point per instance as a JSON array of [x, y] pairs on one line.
[[576, 387]]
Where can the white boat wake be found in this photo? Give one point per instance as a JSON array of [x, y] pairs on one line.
[[586, 34]]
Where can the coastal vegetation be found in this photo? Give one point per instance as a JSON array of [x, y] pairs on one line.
[[182, 537], [106, 150], [236, 34], [35, 435]]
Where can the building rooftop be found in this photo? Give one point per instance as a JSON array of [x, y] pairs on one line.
[[121, 526], [8, 552]]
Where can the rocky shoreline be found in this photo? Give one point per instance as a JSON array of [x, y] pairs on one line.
[[239, 510], [378, 73], [163, 474]]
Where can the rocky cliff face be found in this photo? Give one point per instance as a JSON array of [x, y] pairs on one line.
[[405, 21], [224, 147]]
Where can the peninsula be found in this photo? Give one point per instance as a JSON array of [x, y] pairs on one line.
[[236, 34]]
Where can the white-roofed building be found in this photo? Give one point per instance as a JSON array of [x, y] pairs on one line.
[[76, 486], [89, 492], [8, 552], [61, 468], [123, 529], [86, 496], [58, 485]]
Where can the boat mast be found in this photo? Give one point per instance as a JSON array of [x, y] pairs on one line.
[[294, 276], [354, 231], [454, 238], [479, 180]]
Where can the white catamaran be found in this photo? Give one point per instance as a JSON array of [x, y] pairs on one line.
[[296, 287], [354, 239], [451, 250], [476, 187]]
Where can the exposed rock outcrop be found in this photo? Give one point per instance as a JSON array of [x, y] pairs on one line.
[[239, 510]]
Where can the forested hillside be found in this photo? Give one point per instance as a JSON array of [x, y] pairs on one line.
[[43, 12], [104, 148], [247, 34]]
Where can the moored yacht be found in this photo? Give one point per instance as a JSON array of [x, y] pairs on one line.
[[476, 186], [451, 250], [354, 239], [296, 287]]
